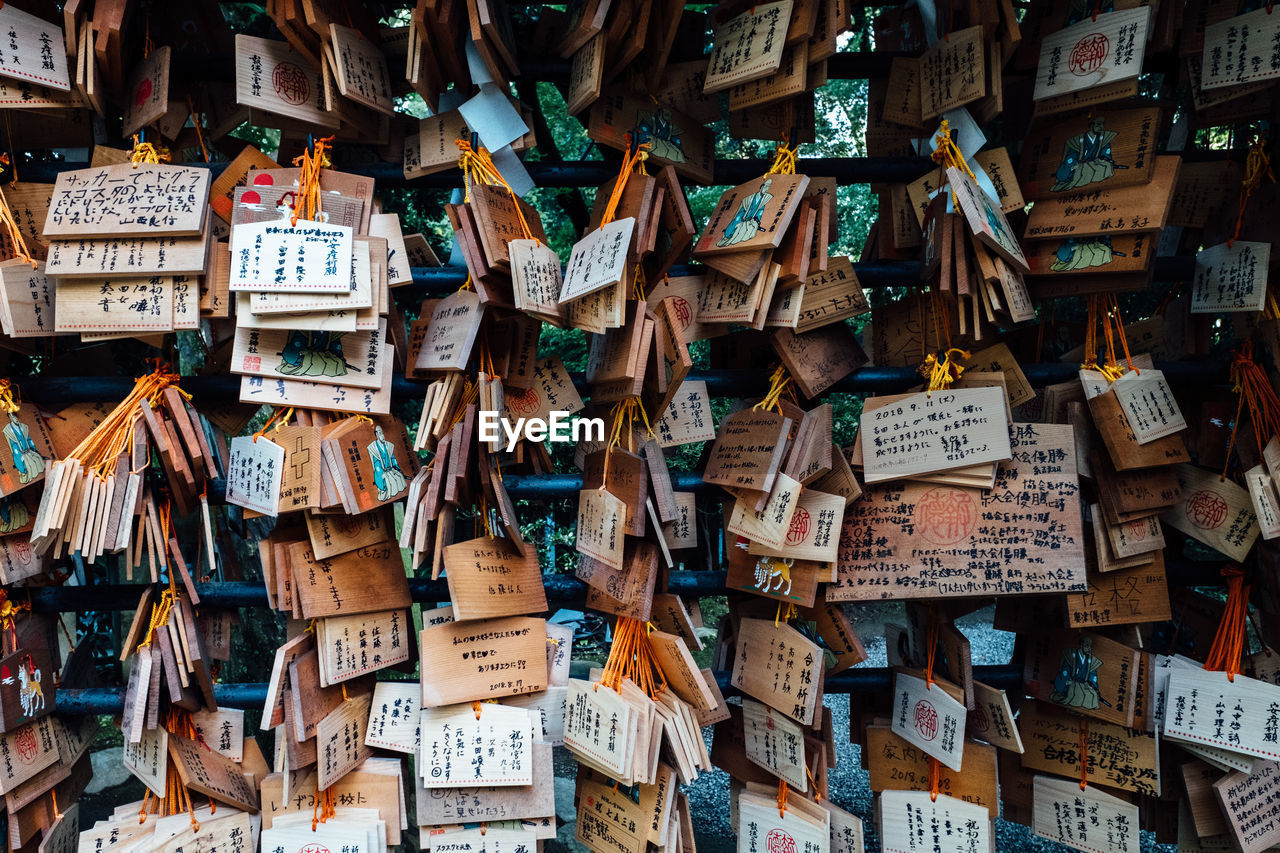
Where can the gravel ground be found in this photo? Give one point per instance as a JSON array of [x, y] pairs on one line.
[[848, 782]]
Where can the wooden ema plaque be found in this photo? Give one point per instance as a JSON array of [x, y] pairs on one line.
[[472, 661], [947, 523]]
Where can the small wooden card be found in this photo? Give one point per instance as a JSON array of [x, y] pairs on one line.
[[953, 72], [471, 661], [752, 216], [463, 748], [30, 450], [1119, 757], [778, 665], [1231, 277], [129, 201], [34, 50], [929, 717], [813, 533], [1192, 712], [748, 450], [254, 473], [27, 688], [1149, 404], [1240, 50], [489, 577], [149, 87], [340, 746], [914, 822], [366, 580], [1086, 673], [1113, 147], [1249, 806], [1216, 512], [206, 772], [598, 260], [1112, 823], [273, 78], [748, 46], [277, 257], [1108, 48], [940, 431]]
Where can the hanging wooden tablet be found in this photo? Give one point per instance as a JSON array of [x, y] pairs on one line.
[[35, 50], [764, 652], [471, 661], [1112, 822], [1214, 511], [148, 91], [1230, 277], [894, 763], [1108, 49], [748, 46], [914, 822], [1119, 758]]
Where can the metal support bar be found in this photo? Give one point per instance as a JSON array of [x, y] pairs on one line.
[[438, 281], [56, 391], [560, 589], [593, 173], [110, 700]]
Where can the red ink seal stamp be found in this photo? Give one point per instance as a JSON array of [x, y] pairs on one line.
[[290, 83], [1136, 530], [1206, 509], [946, 516], [524, 403], [314, 848], [799, 528], [978, 720], [779, 841], [926, 719], [683, 312], [143, 92], [252, 362], [1089, 54], [25, 744]]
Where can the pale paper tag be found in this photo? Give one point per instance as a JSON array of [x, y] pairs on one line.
[[912, 822], [1231, 278], [1111, 825], [461, 747], [1147, 401], [926, 433], [254, 474]]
